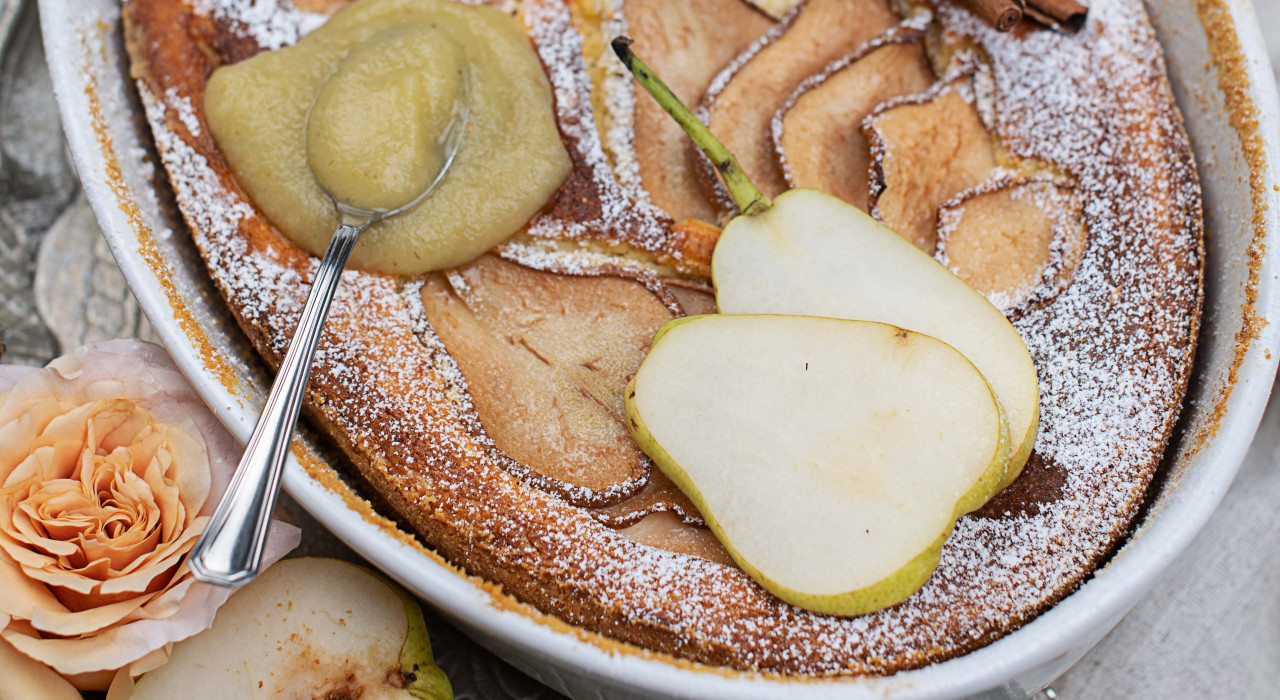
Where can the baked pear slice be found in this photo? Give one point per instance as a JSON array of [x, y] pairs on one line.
[[1017, 241], [689, 41], [818, 132], [808, 253], [924, 151], [742, 100], [831, 458]]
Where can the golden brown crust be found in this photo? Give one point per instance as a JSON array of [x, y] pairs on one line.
[[393, 400]]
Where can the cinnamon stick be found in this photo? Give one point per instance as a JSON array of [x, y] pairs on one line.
[[1068, 15], [1001, 14]]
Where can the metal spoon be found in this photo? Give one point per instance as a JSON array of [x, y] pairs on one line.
[[229, 553]]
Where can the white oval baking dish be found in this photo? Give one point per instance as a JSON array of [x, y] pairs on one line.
[[1229, 390]]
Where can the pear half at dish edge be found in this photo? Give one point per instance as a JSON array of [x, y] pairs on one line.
[[830, 457], [813, 254]]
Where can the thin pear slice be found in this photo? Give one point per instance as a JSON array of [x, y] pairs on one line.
[[813, 254], [819, 131], [691, 40], [924, 152], [318, 628], [830, 457], [1017, 241], [545, 367], [742, 100]]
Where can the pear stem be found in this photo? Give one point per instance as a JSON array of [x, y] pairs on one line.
[[749, 199]]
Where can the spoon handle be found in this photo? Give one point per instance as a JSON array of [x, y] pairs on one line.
[[230, 550]]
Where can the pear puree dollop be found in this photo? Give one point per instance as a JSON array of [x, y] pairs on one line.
[[362, 108]]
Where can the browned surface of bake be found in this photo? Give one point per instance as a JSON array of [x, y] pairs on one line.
[[545, 357], [1016, 241], [1001, 243], [668, 531], [1040, 484], [1113, 350]]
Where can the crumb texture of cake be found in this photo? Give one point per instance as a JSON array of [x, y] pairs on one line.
[[1051, 170]]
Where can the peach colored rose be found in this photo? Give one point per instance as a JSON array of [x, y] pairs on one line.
[[110, 466]]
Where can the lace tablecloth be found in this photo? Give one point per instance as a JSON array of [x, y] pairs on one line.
[[1209, 629]]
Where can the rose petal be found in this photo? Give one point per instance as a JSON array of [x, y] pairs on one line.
[[11, 374], [93, 570], [173, 513], [117, 646], [68, 429], [82, 580], [25, 678], [74, 623], [122, 427], [27, 559], [96, 680], [140, 580], [125, 553], [22, 596], [158, 579], [45, 463], [168, 602], [122, 685], [20, 431], [184, 450], [153, 660], [22, 525]]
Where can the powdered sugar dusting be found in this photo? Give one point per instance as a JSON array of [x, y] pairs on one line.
[[271, 23], [186, 113], [621, 218], [1112, 350], [619, 99]]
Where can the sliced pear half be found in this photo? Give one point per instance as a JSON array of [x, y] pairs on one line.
[[305, 628], [830, 457], [811, 253]]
